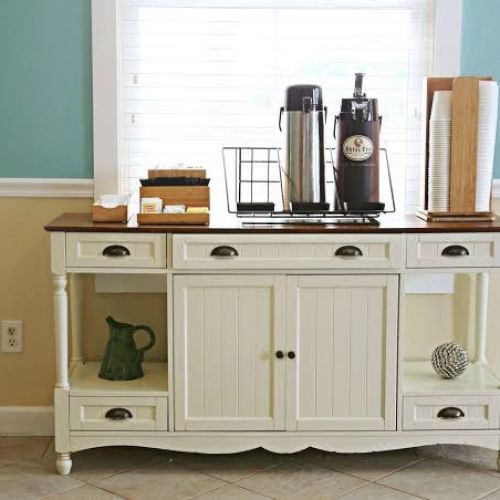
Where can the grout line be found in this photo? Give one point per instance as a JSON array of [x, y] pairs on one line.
[[383, 476], [357, 488], [218, 487], [235, 481], [102, 488], [411, 464], [459, 463], [401, 491], [287, 461], [487, 494], [253, 491], [50, 495], [46, 450]]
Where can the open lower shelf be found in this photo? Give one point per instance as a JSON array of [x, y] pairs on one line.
[[419, 378], [85, 381]]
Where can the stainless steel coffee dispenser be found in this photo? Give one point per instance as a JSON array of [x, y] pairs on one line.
[[304, 157]]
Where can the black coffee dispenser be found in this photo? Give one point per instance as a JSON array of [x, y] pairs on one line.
[[357, 131]]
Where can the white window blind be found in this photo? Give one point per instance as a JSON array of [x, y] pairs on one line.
[[197, 76]]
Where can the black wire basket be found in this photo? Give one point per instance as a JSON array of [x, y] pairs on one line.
[[254, 181]]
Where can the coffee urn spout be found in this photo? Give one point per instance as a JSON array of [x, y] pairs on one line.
[[358, 85]]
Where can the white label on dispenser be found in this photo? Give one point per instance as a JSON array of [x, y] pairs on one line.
[[358, 148]]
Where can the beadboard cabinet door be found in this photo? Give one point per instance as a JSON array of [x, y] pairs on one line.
[[227, 329], [343, 332]]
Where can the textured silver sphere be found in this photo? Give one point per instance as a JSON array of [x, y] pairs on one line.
[[450, 360]]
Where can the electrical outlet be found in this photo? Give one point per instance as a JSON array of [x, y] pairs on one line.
[[12, 336]]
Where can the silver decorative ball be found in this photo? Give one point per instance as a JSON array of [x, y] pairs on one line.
[[450, 360]]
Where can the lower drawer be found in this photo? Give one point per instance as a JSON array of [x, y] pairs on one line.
[[119, 413], [450, 412]]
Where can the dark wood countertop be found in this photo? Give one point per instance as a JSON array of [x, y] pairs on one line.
[[82, 222]]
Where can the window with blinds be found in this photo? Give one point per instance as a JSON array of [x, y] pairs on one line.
[[200, 75]]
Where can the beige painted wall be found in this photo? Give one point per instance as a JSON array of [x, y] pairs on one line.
[[26, 293]]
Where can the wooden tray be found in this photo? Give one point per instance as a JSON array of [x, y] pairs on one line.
[[178, 172], [173, 219], [117, 214], [191, 196], [456, 216]]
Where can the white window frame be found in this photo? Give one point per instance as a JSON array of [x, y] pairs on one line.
[[108, 159]]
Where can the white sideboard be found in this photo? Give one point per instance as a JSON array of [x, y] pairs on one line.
[[281, 341]]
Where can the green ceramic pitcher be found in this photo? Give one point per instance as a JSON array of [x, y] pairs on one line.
[[122, 359]]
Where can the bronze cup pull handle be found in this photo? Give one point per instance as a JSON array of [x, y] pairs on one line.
[[116, 251], [118, 414], [348, 251], [451, 412], [455, 251], [224, 251]]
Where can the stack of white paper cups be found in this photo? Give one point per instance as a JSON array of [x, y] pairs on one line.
[[486, 136], [440, 152]]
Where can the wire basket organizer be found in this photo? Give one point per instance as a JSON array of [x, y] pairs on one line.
[[254, 180]]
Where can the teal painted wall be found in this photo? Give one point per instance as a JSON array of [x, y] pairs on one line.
[[481, 46], [45, 88]]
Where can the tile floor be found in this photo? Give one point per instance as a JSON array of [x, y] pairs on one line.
[[434, 472]]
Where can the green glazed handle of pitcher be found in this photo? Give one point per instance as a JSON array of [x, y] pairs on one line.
[[151, 335]]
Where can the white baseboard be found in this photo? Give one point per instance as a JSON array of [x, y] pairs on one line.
[[46, 188], [26, 421]]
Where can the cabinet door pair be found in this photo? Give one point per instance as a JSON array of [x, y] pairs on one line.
[[275, 352]]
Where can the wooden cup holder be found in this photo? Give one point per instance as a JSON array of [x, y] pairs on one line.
[[463, 163]]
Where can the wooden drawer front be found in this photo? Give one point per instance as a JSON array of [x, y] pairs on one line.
[[383, 251], [429, 250], [89, 413], [91, 249], [480, 412]]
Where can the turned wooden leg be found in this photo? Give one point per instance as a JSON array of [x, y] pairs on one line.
[[63, 463], [61, 390]]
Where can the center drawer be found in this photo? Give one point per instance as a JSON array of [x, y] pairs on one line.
[[315, 251]]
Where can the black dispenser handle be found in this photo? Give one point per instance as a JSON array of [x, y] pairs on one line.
[[282, 109], [358, 85], [337, 118]]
